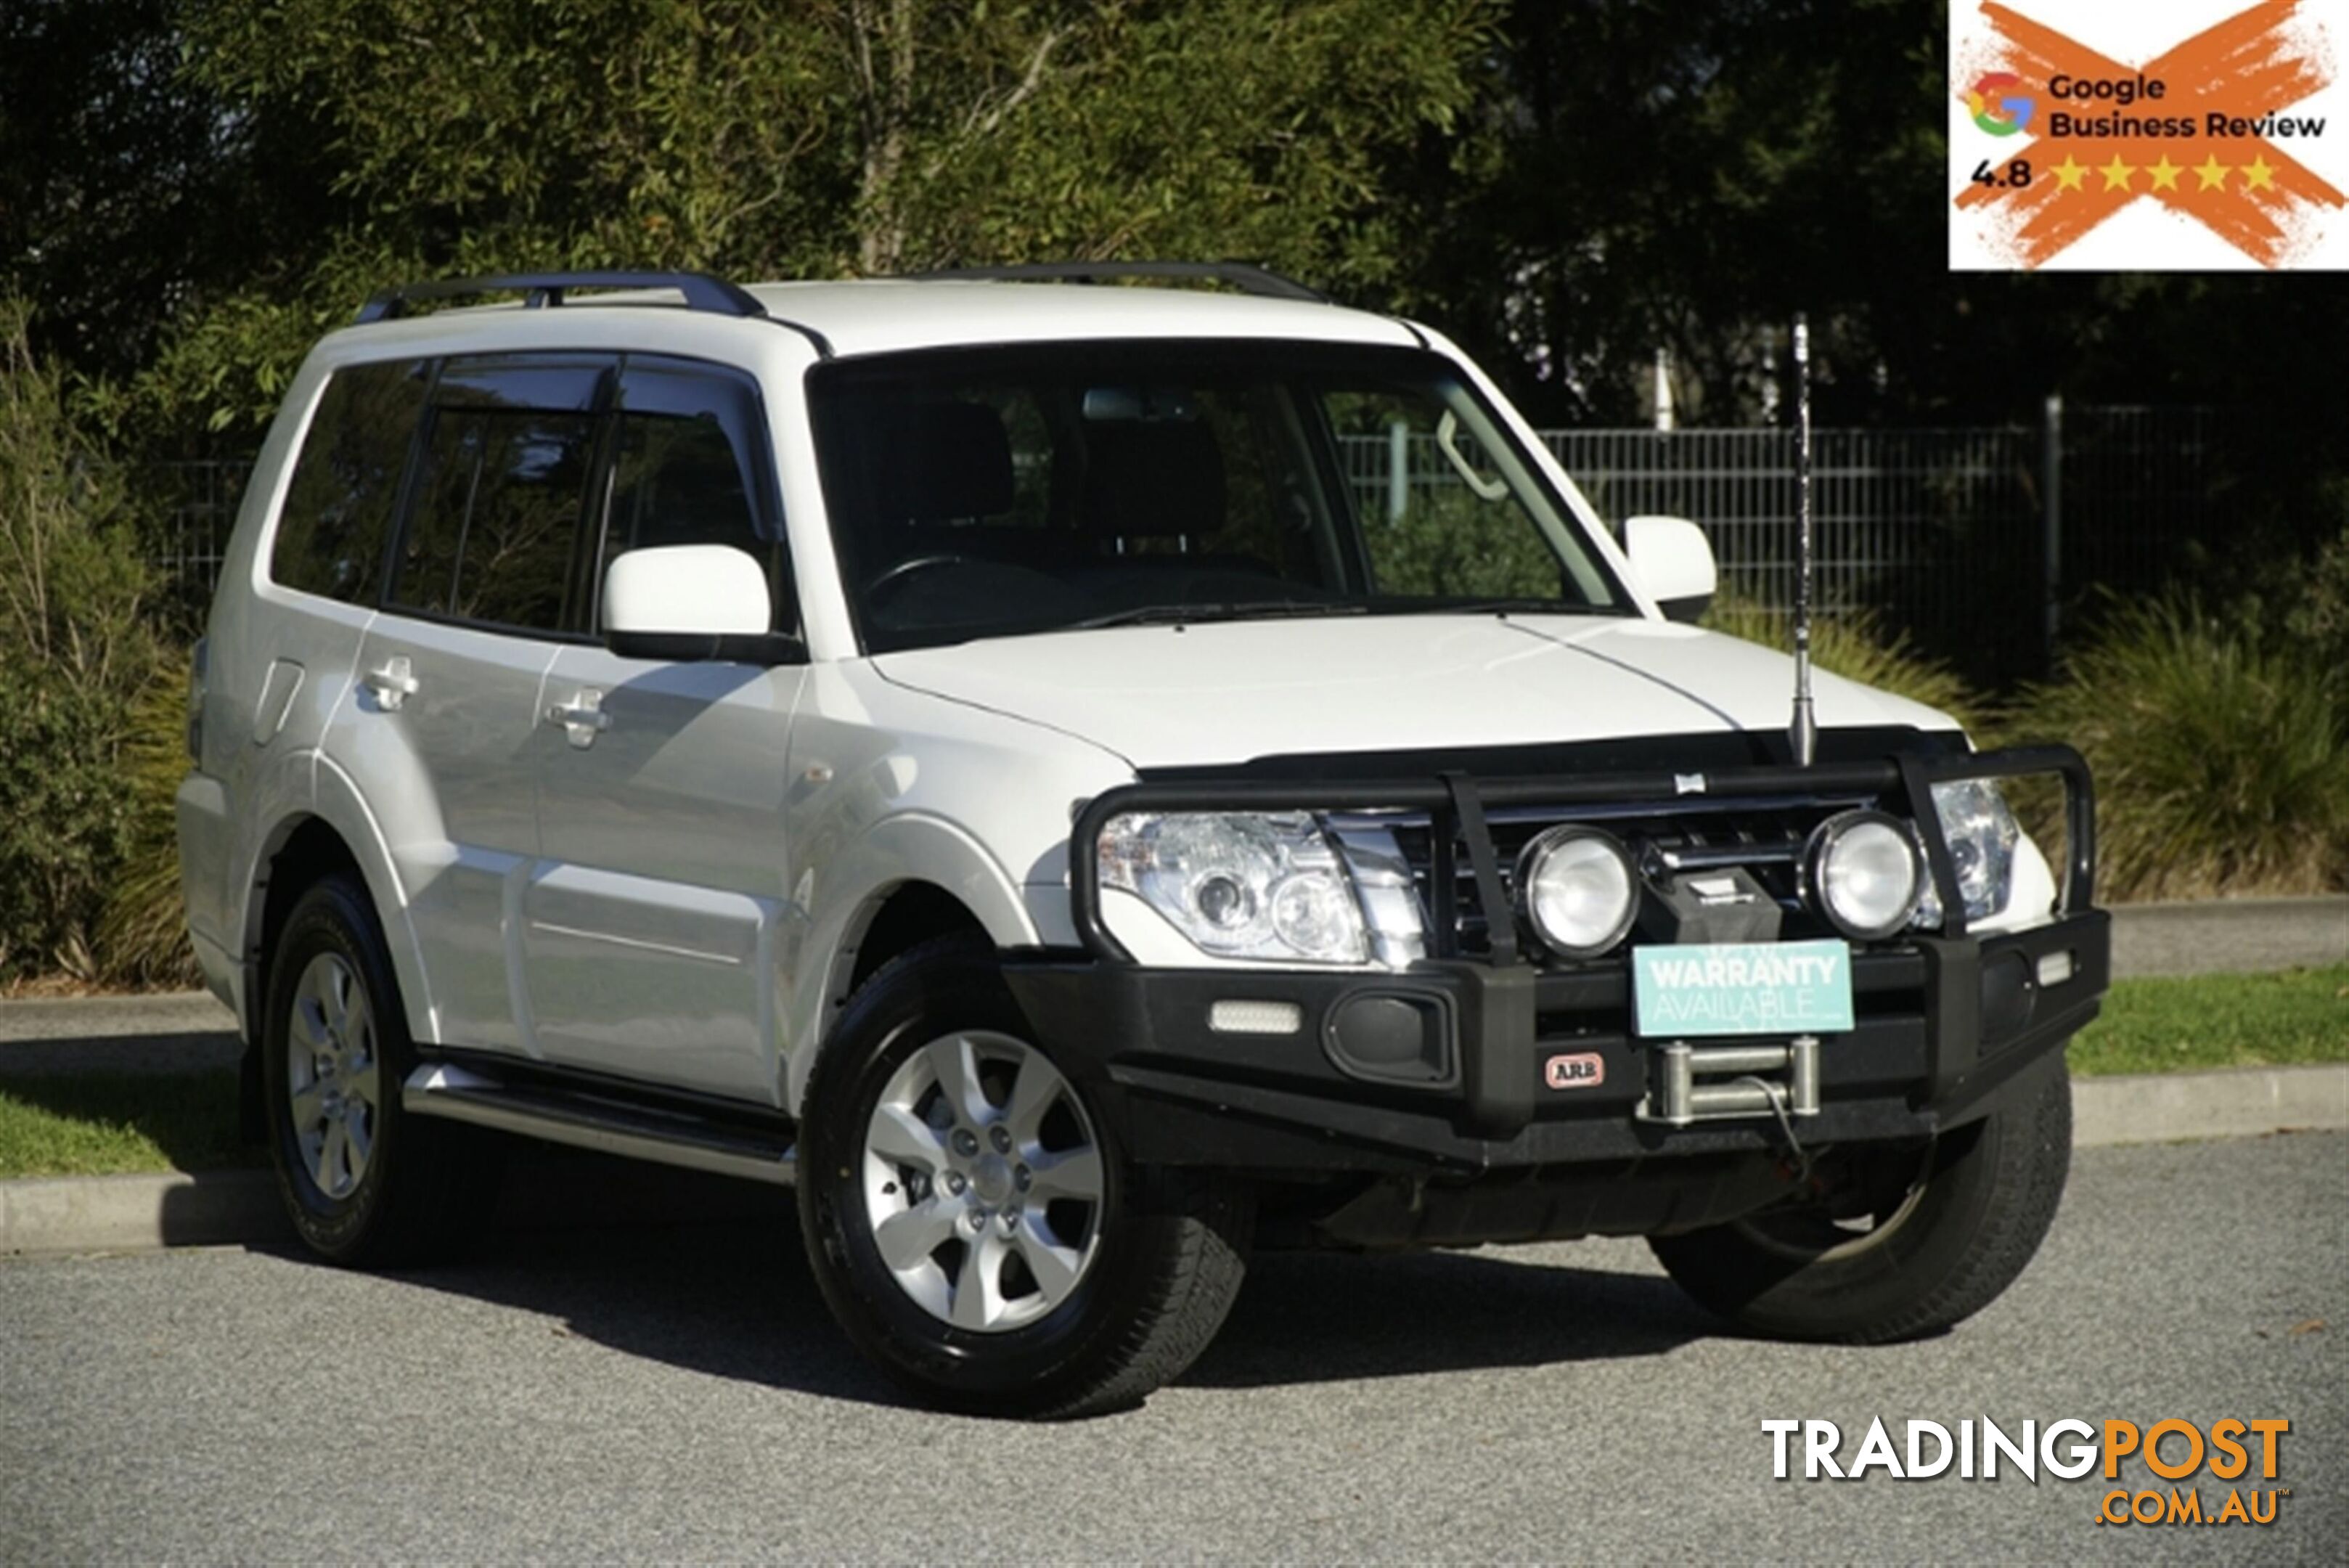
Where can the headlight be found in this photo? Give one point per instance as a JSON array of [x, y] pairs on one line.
[[1239, 884], [1981, 834], [1864, 873], [1576, 886]]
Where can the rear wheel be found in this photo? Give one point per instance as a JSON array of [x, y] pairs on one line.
[[1905, 1242], [364, 1183], [971, 1224]]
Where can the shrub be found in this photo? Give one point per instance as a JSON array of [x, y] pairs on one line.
[[1856, 645], [2220, 752], [2317, 619], [143, 930], [74, 652]]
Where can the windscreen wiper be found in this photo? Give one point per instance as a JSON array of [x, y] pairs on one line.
[[1192, 613]]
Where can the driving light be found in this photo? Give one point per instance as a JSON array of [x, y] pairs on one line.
[[1980, 830], [1239, 884], [1577, 886], [1864, 873]]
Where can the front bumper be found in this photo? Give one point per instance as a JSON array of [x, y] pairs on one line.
[[1941, 1024], [1517, 1066]]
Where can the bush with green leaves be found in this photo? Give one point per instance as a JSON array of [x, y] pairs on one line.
[[2221, 748], [76, 653], [1856, 643], [142, 930]]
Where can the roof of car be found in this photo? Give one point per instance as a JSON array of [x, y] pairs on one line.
[[884, 315], [879, 315]]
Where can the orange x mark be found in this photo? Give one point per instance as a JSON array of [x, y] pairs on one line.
[[2245, 67]]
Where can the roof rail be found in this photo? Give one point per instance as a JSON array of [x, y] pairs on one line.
[[1246, 276], [701, 291]]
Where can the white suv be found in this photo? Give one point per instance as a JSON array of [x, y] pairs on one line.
[[1082, 779]]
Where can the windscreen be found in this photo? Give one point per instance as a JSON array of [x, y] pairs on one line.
[[993, 493]]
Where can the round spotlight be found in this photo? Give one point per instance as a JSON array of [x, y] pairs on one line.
[[1864, 874], [1577, 886]]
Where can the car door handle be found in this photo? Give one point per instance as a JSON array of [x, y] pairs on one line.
[[583, 718], [394, 684]]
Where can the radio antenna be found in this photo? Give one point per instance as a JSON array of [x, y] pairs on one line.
[[1805, 731]]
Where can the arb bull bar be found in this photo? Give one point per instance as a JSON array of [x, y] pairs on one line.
[[1944, 1018]]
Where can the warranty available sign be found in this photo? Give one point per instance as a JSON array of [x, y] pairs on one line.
[[2160, 135], [1742, 988]]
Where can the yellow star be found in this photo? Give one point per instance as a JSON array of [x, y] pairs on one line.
[[2068, 174], [2257, 176], [2165, 175], [2213, 174], [2116, 173]]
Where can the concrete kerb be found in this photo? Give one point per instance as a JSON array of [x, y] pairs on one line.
[[139, 1213], [2226, 1102]]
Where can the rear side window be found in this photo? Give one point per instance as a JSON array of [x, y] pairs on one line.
[[338, 506], [501, 488], [688, 467]]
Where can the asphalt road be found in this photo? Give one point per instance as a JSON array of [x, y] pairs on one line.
[[677, 1392]]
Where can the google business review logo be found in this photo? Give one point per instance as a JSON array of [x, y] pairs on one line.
[[1995, 104]]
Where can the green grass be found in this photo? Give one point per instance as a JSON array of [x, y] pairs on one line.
[[105, 1123], [2174, 1024]]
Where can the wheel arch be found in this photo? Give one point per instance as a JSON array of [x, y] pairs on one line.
[[895, 921], [336, 833], [913, 878]]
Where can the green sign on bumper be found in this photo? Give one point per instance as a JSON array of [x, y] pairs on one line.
[[1743, 988]]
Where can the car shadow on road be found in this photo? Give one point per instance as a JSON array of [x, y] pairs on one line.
[[708, 1275], [1322, 1318]]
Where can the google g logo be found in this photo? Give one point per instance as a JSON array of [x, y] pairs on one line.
[[1996, 107]]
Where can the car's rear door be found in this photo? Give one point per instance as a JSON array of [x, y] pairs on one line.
[[438, 725], [654, 921]]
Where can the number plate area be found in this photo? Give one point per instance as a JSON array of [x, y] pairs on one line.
[[1689, 990]]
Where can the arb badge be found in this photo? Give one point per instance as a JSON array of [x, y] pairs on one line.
[[1581, 1070]]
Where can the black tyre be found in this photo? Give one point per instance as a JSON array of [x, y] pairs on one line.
[[1905, 1244], [366, 1183], [970, 1223]]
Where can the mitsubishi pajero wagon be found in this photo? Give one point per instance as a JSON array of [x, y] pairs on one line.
[[1083, 781]]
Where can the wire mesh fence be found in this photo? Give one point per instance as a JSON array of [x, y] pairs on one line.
[[196, 500], [1948, 535]]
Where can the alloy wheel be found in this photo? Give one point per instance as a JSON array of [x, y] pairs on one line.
[[983, 1182], [334, 1076]]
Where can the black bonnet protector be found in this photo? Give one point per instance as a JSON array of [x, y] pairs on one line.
[[1708, 751]]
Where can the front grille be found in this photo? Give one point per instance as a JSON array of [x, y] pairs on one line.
[[1765, 836]]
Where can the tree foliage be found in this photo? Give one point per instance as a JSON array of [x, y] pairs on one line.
[[815, 138], [130, 193]]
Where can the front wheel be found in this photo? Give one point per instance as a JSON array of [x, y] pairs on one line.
[[1905, 1242], [968, 1218]]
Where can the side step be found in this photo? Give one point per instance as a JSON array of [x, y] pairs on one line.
[[586, 1121]]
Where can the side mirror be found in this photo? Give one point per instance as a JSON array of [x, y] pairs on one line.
[[1674, 561], [688, 602]]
